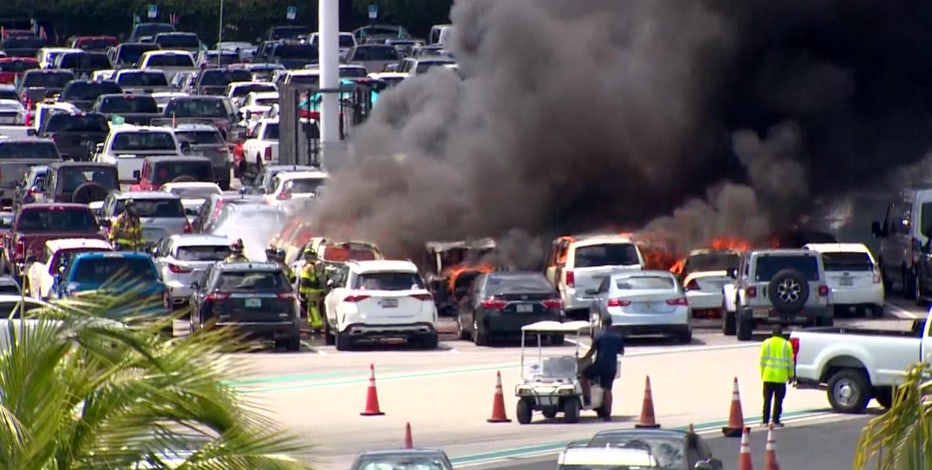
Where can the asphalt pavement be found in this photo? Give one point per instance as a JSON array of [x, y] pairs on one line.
[[804, 445]]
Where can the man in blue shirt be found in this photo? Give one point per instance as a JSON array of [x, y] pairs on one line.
[[606, 346]]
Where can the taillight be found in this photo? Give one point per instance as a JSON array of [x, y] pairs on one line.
[[494, 304], [823, 291], [283, 196], [422, 296], [215, 296], [678, 301], [693, 285], [618, 302], [20, 248], [287, 296], [570, 279], [553, 303], [178, 269], [750, 291], [187, 227], [268, 153], [795, 343], [877, 279], [355, 298]]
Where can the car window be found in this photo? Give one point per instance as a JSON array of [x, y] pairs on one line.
[[667, 451], [768, 266], [202, 107], [609, 254], [303, 185], [712, 261], [340, 254], [165, 171], [271, 132], [89, 91], [231, 281], [15, 309], [36, 149], [142, 78], [103, 269], [9, 288], [644, 282], [388, 281], [128, 104], [203, 253], [517, 284], [157, 208], [57, 220], [170, 60], [77, 123], [136, 141], [223, 77], [847, 261]]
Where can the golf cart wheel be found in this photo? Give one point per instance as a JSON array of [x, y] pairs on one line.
[[571, 407], [549, 413], [523, 411]]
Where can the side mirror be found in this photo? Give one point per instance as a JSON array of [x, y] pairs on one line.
[[195, 286], [245, 190], [30, 131], [135, 174], [460, 292], [99, 147], [876, 230], [154, 250], [732, 273], [185, 147]]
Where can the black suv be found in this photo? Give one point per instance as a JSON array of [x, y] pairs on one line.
[[75, 135], [255, 299], [81, 182]]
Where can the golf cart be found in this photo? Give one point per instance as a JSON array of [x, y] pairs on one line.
[[552, 384]]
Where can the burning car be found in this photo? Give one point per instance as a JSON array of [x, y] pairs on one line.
[[451, 265]]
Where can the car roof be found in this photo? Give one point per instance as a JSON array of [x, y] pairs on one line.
[[197, 239], [383, 265], [783, 252], [838, 247], [189, 185], [601, 240], [641, 273], [112, 254], [73, 243], [50, 205], [121, 196], [633, 433], [607, 456], [397, 452], [191, 126], [177, 158]]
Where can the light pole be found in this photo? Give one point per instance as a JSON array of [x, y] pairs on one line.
[[220, 34]]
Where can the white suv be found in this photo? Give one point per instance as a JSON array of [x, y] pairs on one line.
[[853, 276], [372, 300]]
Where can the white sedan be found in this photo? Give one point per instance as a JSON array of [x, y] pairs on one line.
[[644, 303], [704, 292]]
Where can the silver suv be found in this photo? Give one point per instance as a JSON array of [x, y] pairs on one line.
[[785, 286]]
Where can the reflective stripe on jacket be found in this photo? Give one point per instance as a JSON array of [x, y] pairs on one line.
[[236, 258], [126, 231], [776, 360], [310, 282]]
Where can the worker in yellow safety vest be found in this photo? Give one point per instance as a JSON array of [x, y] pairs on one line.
[[312, 289], [277, 255], [776, 369], [236, 253], [126, 230]]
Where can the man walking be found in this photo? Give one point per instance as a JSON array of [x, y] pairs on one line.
[[606, 346], [776, 369]]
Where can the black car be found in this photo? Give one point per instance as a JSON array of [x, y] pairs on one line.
[[81, 182], [674, 450], [431, 459], [83, 93], [75, 135], [500, 303], [255, 299], [215, 81], [36, 85]]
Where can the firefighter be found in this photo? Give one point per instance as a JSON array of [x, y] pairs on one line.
[[236, 253], [277, 255], [126, 229], [312, 289]]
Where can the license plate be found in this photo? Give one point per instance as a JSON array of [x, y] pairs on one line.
[[389, 303], [846, 281], [649, 306], [761, 313], [525, 308], [253, 303]]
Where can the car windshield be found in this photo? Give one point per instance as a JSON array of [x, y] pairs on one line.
[[402, 463], [608, 467], [137, 79], [96, 43], [58, 219], [296, 51], [265, 101], [47, 79], [84, 60], [170, 60], [303, 185], [387, 53], [712, 261], [203, 253], [251, 281], [271, 132], [88, 91], [513, 284], [609, 254], [388, 281], [184, 41], [15, 309], [95, 123], [39, 149], [847, 261], [243, 90], [197, 108], [156, 208], [305, 79], [128, 104], [144, 141], [353, 72], [644, 282], [424, 66], [223, 77], [71, 178], [239, 218], [102, 269], [199, 170], [768, 266], [151, 29], [200, 192], [339, 254], [668, 451], [130, 54], [201, 137], [19, 65]]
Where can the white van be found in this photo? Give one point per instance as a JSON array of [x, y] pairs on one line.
[[440, 34]]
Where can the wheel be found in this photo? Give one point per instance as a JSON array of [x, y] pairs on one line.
[[907, 282], [917, 290], [293, 344], [571, 410], [849, 391], [887, 282], [884, 396], [329, 339], [745, 328], [523, 411], [460, 331], [557, 340], [685, 337], [549, 413], [479, 337], [429, 342], [343, 343], [728, 323]]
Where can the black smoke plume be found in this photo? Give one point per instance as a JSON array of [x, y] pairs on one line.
[[692, 118]]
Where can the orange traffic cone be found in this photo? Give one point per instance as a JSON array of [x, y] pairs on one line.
[[744, 457], [770, 458], [498, 402], [735, 416], [372, 396], [409, 442], [647, 409]]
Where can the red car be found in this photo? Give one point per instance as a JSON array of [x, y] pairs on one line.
[[13, 67]]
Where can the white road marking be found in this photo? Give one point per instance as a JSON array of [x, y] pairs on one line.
[[901, 312]]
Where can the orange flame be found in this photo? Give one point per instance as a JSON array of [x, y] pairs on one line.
[[454, 272], [677, 268], [730, 243]]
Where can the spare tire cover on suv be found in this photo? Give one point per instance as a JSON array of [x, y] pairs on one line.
[[88, 193], [788, 291]]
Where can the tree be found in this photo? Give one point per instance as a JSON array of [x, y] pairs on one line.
[[81, 392], [899, 439]]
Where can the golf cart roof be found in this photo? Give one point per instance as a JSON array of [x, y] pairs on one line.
[[556, 327], [482, 244]]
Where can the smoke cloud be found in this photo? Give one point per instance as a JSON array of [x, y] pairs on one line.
[[690, 119]]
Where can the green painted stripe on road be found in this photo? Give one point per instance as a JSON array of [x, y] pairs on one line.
[[294, 378], [555, 447]]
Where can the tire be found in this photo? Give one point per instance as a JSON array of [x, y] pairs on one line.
[[329, 338], [293, 344], [479, 337], [184, 179], [549, 413], [523, 411], [460, 331], [89, 192], [729, 323], [429, 342], [557, 340], [342, 342], [788, 291], [884, 396], [745, 328], [886, 281], [685, 337], [571, 410], [917, 290], [907, 283], [849, 391]]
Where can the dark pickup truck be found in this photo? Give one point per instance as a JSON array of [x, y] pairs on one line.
[[36, 224], [17, 156], [75, 135], [213, 110], [215, 81], [83, 93], [37, 85], [138, 110], [142, 81]]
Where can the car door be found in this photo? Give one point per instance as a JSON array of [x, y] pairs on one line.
[[469, 304], [160, 254], [340, 289]]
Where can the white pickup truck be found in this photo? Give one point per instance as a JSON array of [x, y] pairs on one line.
[[261, 146], [856, 365]]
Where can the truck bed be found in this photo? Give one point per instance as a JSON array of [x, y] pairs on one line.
[[915, 331]]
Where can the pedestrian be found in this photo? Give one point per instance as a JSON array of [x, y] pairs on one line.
[[237, 253], [312, 289], [607, 345], [126, 230], [776, 370]]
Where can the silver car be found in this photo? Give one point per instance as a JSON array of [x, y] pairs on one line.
[[162, 214], [255, 224], [644, 303], [183, 259]]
